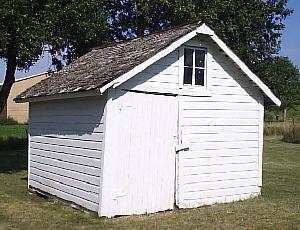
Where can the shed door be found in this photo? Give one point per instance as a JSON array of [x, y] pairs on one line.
[[146, 143]]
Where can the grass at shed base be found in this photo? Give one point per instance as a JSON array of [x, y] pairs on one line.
[[277, 208]]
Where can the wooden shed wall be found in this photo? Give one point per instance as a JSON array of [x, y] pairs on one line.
[[66, 148], [140, 139], [224, 135]]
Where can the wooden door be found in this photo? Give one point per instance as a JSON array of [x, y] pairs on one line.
[[146, 140]]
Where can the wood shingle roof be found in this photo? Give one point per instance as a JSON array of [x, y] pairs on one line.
[[102, 65]]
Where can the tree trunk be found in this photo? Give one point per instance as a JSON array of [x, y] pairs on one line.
[[9, 75], [284, 118]]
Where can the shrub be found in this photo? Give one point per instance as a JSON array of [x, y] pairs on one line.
[[8, 121], [13, 143], [273, 130], [292, 134]]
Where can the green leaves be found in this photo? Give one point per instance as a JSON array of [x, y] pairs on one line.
[[283, 77]]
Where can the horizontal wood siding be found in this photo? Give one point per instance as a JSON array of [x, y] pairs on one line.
[[66, 139], [162, 74], [222, 132]]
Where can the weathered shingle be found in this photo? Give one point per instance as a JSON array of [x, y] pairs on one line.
[[102, 65]]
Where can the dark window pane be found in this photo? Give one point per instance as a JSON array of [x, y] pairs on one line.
[[200, 58], [199, 76], [188, 57], [188, 74]]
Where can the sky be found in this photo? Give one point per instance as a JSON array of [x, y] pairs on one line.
[[290, 46]]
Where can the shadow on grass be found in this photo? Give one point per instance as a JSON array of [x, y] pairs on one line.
[[13, 154]]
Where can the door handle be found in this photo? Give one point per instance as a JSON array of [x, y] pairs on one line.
[[181, 147]]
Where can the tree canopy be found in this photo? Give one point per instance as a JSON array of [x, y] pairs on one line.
[[283, 78], [71, 27]]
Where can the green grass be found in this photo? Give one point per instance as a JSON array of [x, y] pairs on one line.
[[13, 136], [277, 208]]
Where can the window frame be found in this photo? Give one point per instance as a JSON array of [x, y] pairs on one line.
[[194, 67]]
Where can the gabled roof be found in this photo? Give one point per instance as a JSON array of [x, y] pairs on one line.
[[114, 64]]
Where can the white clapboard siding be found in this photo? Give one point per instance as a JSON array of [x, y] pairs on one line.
[[82, 185], [216, 185], [223, 145], [192, 203], [206, 177], [94, 180], [220, 195], [199, 138], [66, 139], [211, 105], [65, 195], [68, 158], [71, 127], [225, 168], [224, 114], [66, 165], [63, 187], [221, 129], [162, 74], [213, 153], [67, 142], [197, 162], [222, 135], [67, 150]]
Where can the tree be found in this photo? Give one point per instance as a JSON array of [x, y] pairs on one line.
[[250, 28], [283, 77], [69, 27]]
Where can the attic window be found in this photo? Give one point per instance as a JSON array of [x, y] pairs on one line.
[[194, 66]]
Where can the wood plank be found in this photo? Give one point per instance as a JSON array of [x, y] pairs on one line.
[[200, 138], [197, 202], [73, 191], [219, 169], [66, 165], [81, 185], [68, 173], [68, 150], [219, 185], [221, 106], [219, 121], [212, 153], [96, 137], [220, 192], [197, 162], [218, 176], [67, 142], [68, 119], [79, 127], [223, 145], [67, 157], [66, 196], [219, 129], [222, 98], [220, 114]]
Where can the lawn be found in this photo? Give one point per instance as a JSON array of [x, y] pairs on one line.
[[13, 136], [277, 208]]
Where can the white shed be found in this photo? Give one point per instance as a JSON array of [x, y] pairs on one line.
[[171, 119]]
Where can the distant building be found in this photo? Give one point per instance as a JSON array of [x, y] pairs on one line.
[[19, 112]]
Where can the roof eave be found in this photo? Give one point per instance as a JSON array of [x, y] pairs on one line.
[[90, 93]]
